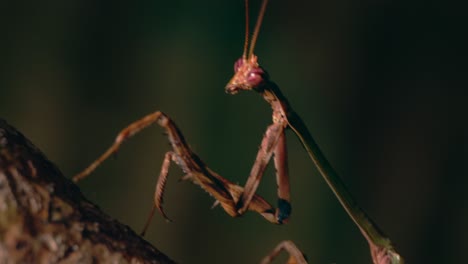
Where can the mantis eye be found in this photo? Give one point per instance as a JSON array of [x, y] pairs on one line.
[[255, 77], [238, 64]]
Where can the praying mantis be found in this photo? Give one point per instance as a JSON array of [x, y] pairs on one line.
[[235, 199]]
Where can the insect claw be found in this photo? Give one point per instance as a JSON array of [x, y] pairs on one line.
[[164, 215], [283, 212], [216, 203]]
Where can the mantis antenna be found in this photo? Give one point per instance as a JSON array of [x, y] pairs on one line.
[[253, 40], [246, 41]]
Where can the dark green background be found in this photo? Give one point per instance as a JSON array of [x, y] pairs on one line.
[[379, 83]]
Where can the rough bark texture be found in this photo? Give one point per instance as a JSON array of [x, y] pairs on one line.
[[44, 217]]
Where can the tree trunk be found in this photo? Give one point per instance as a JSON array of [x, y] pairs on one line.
[[44, 218]]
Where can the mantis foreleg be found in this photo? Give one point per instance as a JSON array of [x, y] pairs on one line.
[[224, 191], [273, 143]]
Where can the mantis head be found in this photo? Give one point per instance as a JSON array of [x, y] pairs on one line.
[[248, 75]]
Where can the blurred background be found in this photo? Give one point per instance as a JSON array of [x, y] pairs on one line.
[[380, 84]]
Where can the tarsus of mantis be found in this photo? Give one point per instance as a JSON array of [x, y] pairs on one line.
[[249, 75]]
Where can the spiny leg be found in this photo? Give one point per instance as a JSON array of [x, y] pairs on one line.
[[274, 142], [295, 255], [161, 184], [159, 191], [280, 157], [269, 142], [224, 191]]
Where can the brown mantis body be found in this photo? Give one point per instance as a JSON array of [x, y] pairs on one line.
[[236, 200]]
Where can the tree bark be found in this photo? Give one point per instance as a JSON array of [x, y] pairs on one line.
[[44, 218]]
